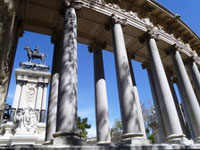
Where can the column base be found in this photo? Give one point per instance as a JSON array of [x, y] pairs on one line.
[[197, 140], [178, 139], [48, 142], [67, 139], [134, 139], [104, 143]]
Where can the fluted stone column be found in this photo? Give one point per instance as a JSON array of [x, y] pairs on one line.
[[190, 100], [22, 98], [43, 104], [195, 76], [181, 118], [39, 96], [166, 102], [16, 100], [66, 126], [128, 105], [161, 128], [101, 103], [53, 95]]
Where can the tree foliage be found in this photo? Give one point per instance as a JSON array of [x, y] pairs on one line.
[[117, 129], [83, 125]]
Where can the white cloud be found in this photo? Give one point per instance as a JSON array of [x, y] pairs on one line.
[[91, 132], [89, 112]]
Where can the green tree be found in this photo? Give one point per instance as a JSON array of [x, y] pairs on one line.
[[83, 125], [117, 129]]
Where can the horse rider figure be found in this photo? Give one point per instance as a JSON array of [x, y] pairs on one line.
[[36, 50]]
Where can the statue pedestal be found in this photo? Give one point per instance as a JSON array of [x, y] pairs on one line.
[[29, 106], [29, 139]]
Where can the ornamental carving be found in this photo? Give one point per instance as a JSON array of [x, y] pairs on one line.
[[142, 23], [30, 95], [74, 3], [115, 19], [27, 120]]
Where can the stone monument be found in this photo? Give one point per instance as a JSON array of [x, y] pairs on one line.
[[26, 123]]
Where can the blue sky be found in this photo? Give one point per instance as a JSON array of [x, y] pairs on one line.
[[188, 10]]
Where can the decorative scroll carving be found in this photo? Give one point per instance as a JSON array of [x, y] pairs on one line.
[[115, 19], [151, 29]]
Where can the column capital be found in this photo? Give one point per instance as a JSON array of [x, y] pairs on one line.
[[21, 82], [117, 20], [77, 4], [145, 65], [96, 46], [169, 72], [150, 33], [174, 80], [39, 84], [55, 35], [20, 27]]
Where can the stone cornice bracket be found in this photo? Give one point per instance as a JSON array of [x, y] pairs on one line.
[[117, 20], [96, 46]]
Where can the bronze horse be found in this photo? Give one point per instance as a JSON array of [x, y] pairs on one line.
[[35, 55]]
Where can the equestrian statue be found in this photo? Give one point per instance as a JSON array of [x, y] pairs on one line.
[[35, 54]]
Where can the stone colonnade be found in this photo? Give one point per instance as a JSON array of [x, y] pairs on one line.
[[63, 94]]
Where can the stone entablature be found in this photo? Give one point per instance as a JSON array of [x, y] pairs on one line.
[[143, 24]]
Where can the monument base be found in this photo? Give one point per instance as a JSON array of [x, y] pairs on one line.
[[24, 139], [178, 139], [67, 139], [111, 147], [134, 139]]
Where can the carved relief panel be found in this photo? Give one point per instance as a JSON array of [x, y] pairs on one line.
[[31, 94]]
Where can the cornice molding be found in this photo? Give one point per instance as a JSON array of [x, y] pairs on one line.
[[143, 24]]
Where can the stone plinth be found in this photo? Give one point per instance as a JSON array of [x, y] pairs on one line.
[[27, 122]]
